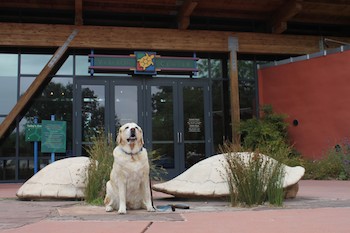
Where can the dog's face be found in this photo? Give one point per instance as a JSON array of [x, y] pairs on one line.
[[130, 134]]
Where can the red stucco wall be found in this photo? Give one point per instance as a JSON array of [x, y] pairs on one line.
[[315, 92]]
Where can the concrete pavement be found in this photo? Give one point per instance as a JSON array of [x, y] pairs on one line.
[[320, 206]]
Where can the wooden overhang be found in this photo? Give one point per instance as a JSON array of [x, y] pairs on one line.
[[53, 35], [317, 17]]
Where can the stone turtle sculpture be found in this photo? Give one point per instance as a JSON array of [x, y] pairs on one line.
[[205, 179], [63, 179]]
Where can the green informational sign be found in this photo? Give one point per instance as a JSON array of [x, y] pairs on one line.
[[127, 61], [53, 136], [33, 132]]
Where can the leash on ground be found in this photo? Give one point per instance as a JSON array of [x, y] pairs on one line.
[[163, 208], [173, 207]]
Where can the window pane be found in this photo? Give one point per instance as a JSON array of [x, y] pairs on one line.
[[82, 65], [166, 153], [33, 63], [25, 169], [8, 93], [25, 82], [7, 169], [218, 113], [195, 152], [8, 64], [67, 67], [93, 110], [215, 68], [193, 107], [8, 146], [162, 113], [125, 105], [246, 82], [203, 68]]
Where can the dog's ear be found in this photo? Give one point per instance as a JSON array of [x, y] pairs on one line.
[[142, 142], [119, 138]]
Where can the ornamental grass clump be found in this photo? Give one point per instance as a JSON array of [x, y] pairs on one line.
[[253, 178], [101, 155]]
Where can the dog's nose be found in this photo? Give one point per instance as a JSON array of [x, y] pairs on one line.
[[132, 132]]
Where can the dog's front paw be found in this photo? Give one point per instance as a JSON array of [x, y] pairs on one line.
[[109, 208], [150, 209], [122, 211]]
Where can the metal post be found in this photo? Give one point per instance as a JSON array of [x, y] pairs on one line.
[[52, 153], [35, 150], [92, 63]]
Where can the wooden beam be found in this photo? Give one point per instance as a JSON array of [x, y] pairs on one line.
[[234, 90], [283, 14], [48, 35], [78, 12], [44, 77], [185, 12]]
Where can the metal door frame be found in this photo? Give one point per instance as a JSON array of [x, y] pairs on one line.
[[205, 83], [178, 85]]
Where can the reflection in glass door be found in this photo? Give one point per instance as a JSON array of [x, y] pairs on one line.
[[125, 105], [180, 124], [162, 138], [92, 104], [193, 124]]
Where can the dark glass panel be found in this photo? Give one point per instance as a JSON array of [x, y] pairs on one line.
[[166, 153], [8, 93]]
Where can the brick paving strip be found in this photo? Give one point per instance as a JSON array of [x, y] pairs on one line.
[[14, 214]]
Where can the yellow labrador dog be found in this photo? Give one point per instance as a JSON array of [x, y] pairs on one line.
[[129, 187]]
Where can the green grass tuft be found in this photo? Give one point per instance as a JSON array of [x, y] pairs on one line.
[[253, 180], [101, 155]]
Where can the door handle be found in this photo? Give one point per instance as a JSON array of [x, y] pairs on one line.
[[179, 137]]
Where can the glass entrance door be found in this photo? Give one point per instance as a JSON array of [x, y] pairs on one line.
[[194, 116], [163, 124], [127, 103], [90, 112], [180, 123]]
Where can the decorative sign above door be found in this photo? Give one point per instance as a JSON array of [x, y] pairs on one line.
[[141, 62]]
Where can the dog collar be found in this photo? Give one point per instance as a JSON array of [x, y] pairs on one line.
[[129, 153]]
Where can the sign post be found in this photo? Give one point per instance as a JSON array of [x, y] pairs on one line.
[[33, 134], [35, 150], [52, 153]]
